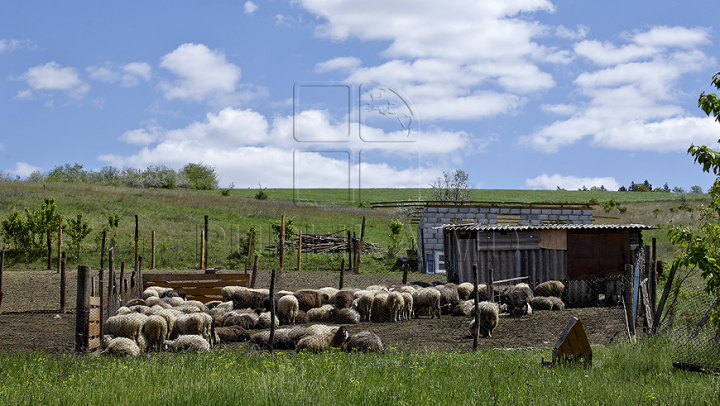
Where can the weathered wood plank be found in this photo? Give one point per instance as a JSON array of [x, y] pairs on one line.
[[151, 277]]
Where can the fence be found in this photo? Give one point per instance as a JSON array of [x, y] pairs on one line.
[[686, 321]]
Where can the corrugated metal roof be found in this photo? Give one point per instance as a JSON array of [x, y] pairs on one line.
[[519, 227]]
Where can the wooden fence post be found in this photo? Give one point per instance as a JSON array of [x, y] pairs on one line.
[[137, 236], [282, 242], [490, 287], [350, 249], [299, 249], [122, 278], [653, 277], [102, 303], [102, 250], [59, 241], [2, 265], [111, 273], [629, 295], [207, 242], [360, 248], [82, 311], [476, 330], [250, 249], [49, 245], [152, 258], [202, 249], [63, 281], [342, 273], [663, 299], [254, 272], [421, 251], [271, 339]]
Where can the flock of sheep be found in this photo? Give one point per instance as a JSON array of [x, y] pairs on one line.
[[162, 320]]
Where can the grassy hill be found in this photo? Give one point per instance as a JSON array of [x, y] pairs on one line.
[[177, 217]]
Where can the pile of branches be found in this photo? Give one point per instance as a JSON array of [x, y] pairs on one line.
[[326, 243]]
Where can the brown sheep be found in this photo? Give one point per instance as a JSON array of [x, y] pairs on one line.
[[342, 299], [308, 299], [550, 288]]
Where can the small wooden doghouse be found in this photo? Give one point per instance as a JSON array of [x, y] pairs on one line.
[[566, 252]]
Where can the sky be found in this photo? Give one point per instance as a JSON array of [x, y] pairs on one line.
[[520, 94]]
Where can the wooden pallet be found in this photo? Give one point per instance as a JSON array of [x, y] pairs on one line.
[[203, 287]]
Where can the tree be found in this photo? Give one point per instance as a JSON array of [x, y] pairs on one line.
[[77, 228], [696, 189], [701, 248], [452, 187], [200, 176]]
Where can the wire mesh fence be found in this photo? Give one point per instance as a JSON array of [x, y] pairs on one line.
[[424, 314], [688, 324]]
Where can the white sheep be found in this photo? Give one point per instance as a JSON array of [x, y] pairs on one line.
[[407, 311], [488, 319], [427, 301], [320, 314], [126, 325], [288, 307], [122, 346], [364, 341], [365, 305], [189, 343], [324, 341], [466, 290], [329, 290], [395, 305], [156, 330]]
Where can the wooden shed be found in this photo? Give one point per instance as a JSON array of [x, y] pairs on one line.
[[567, 252]]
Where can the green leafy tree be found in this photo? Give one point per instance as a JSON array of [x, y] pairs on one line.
[[701, 248], [77, 228], [200, 176], [452, 187], [396, 227]]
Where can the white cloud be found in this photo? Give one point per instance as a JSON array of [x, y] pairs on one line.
[[128, 75], [578, 33], [202, 73], [23, 169], [546, 181], [246, 148], [53, 77], [341, 63], [459, 60], [250, 7], [7, 45], [633, 102]]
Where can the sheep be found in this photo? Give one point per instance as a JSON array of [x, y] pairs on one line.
[[379, 312], [156, 301], [550, 288], [122, 346], [213, 304], [156, 330], [525, 288], [365, 305], [361, 292], [395, 305], [196, 303], [488, 319], [174, 293], [140, 309], [189, 343], [127, 325], [266, 302], [170, 317], [557, 303], [173, 301], [516, 300], [324, 341], [377, 287], [466, 291], [245, 320], [301, 318], [344, 316], [449, 297], [364, 341], [427, 301], [243, 299], [321, 314], [309, 299], [299, 332], [227, 292], [264, 320], [541, 303], [407, 311], [232, 334], [420, 284], [282, 340], [138, 301], [195, 324], [342, 299], [287, 309], [330, 291], [465, 308]]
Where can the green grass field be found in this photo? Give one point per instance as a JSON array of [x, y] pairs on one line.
[[621, 374], [177, 217]]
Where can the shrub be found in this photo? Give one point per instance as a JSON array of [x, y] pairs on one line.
[[200, 176]]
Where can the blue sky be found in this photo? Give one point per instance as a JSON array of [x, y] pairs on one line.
[[318, 93]]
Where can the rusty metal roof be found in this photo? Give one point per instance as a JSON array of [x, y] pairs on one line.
[[521, 227]]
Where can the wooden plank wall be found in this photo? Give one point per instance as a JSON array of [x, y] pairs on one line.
[[203, 287]]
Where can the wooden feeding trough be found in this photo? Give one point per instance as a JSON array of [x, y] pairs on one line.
[[573, 345]]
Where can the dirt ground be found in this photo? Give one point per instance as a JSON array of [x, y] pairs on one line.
[[30, 317]]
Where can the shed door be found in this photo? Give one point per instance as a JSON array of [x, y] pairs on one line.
[[593, 253]]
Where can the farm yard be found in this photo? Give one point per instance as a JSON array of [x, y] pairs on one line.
[[34, 323]]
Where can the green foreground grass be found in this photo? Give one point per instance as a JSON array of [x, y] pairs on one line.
[[621, 374]]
